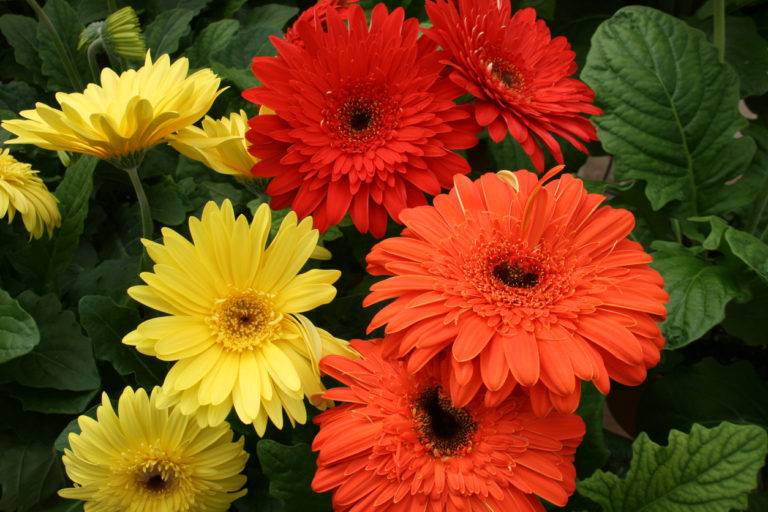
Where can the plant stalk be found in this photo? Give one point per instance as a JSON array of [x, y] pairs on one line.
[[69, 66], [146, 216], [719, 28], [761, 201]]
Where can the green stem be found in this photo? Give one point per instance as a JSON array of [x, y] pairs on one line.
[[761, 201], [719, 32], [111, 5], [69, 66], [93, 49], [677, 231], [146, 216]]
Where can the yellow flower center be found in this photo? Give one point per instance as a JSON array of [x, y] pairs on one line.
[[158, 477], [244, 319]]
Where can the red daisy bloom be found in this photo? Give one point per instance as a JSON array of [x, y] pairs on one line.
[[536, 286], [399, 445], [362, 123], [518, 74], [317, 15]]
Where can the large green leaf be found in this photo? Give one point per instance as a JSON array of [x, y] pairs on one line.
[[29, 473], [706, 393], [708, 470], [64, 357], [51, 401], [670, 109], [699, 290], [212, 39], [68, 27], [106, 324], [21, 33], [18, 330], [165, 31], [290, 470]]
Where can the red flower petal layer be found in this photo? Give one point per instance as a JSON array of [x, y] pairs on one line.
[[518, 74], [538, 287], [362, 124], [377, 452]]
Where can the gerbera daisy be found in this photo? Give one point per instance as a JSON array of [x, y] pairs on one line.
[[125, 115], [518, 74], [219, 144], [119, 34], [317, 15], [146, 459], [399, 444], [537, 286], [21, 190], [235, 324], [362, 123]]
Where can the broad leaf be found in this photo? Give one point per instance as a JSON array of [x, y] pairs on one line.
[[18, 330], [68, 26], [290, 470], [106, 324], [165, 31], [706, 393], [29, 473], [211, 40], [670, 109], [51, 401], [16, 96], [167, 202], [708, 470], [698, 289], [749, 249], [21, 33], [64, 357]]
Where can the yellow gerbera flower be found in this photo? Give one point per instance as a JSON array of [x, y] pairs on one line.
[[118, 120], [220, 144], [120, 34], [235, 324], [21, 190], [152, 460]]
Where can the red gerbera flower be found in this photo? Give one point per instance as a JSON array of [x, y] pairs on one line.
[[518, 74], [317, 15], [399, 445], [537, 286], [361, 122]]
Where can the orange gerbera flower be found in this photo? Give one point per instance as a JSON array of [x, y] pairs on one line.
[[399, 445], [520, 282]]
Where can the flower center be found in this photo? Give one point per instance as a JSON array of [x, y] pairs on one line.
[[515, 276], [442, 428], [244, 319], [359, 116], [154, 481], [510, 76]]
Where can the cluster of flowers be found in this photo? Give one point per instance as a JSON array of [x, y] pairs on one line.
[[508, 290]]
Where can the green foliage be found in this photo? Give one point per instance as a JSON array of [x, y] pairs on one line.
[[18, 330], [592, 452], [290, 470], [21, 33], [707, 470], [670, 109], [68, 26], [29, 473], [165, 31]]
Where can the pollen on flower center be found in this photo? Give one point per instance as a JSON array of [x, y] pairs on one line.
[[156, 472], [154, 481], [514, 275], [242, 320], [506, 72], [442, 428], [359, 116]]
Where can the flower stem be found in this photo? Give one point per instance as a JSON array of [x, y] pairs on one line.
[[111, 5], [719, 28], [758, 207], [146, 216], [93, 49], [66, 59]]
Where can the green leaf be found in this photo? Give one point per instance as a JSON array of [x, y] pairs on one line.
[[592, 452], [157, 7], [749, 249], [698, 291], [64, 357], [16, 96], [21, 33], [273, 16], [290, 470], [52, 401], [29, 473], [107, 324], [705, 393], [18, 330], [708, 470], [740, 317], [68, 26], [211, 40], [165, 32], [544, 8], [167, 202], [73, 194], [670, 108]]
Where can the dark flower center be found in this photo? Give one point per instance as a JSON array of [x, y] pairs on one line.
[[442, 428], [515, 276], [153, 481], [359, 116], [359, 121]]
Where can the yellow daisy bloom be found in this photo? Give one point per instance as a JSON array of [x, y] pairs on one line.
[[147, 459], [125, 115], [220, 144], [21, 190], [235, 324]]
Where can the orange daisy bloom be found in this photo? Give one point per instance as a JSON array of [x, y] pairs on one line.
[[399, 445], [520, 282]]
